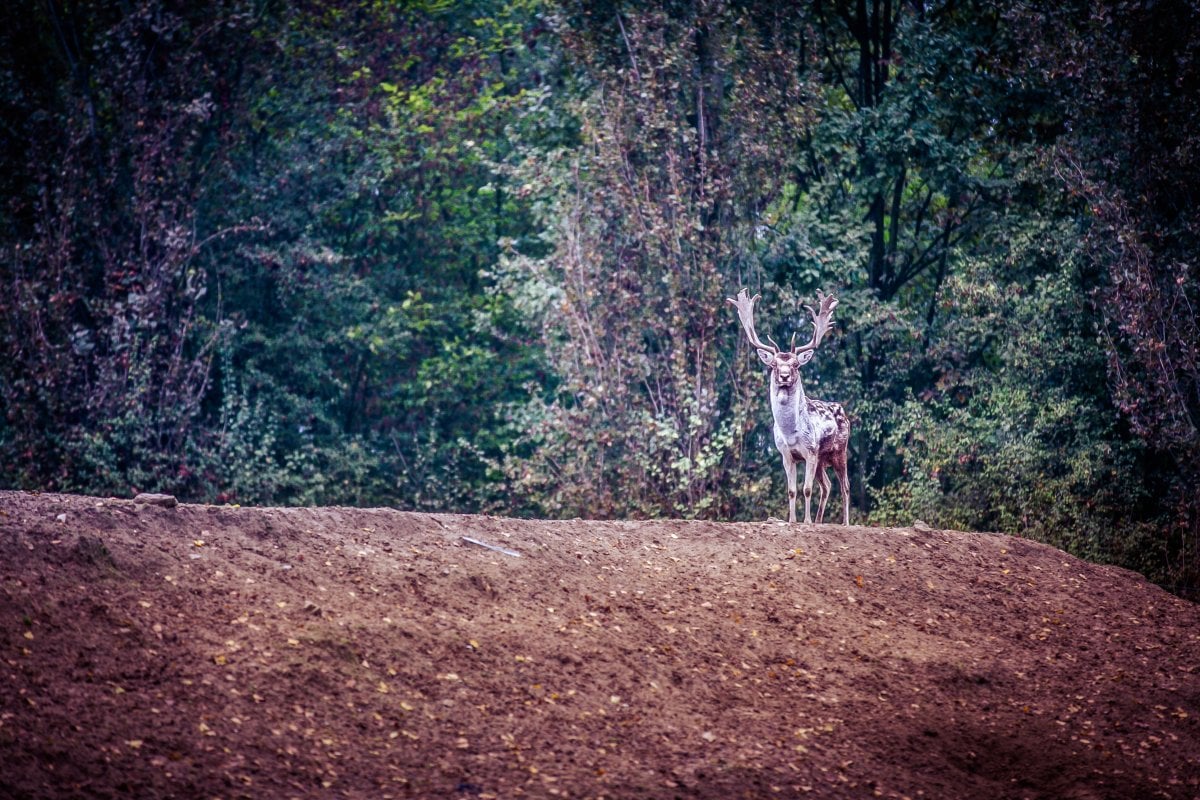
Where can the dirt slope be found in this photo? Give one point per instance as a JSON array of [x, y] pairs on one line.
[[329, 652]]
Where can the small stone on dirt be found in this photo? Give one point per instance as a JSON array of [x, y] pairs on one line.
[[164, 500]]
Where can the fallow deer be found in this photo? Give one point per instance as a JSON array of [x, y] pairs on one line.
[[812, 431]]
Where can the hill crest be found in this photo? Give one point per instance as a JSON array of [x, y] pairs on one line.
[[274, 652]]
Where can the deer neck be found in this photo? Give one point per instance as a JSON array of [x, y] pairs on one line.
[[788, 405]]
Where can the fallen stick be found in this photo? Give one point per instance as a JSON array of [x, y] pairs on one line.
[[497, 548]]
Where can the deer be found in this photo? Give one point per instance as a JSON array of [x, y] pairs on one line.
[[808, 430]]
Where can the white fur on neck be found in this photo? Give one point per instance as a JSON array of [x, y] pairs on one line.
[[789, 406]]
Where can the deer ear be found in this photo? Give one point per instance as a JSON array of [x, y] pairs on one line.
[[767, 357], [806, 356]]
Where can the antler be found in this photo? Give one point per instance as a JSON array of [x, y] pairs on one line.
[[821, 321], [745, 309]]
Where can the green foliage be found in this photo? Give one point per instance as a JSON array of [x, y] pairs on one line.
[[1128, 85], [1022, 440], [105, 351], [474, 256], [650, 219]]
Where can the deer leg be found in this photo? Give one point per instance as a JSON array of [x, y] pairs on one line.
[[844, 483], [826, 489], [789, 468], [810, 472]]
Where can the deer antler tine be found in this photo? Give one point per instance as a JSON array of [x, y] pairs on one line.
[[822, 320], [745, 308]]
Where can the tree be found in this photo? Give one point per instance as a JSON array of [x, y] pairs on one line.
[[686, 115], [381, 359], [1130, 95], [899, 181], [114, 124], [245, 248]]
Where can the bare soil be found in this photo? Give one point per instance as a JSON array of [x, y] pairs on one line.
[[213, 651]]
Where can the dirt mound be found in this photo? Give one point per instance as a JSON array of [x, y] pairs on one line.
[[203, 651]]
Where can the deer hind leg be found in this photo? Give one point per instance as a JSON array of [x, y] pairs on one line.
[[844, 484], [826, 488]]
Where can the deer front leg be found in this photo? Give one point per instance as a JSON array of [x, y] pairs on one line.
[[789, 468], [810, 472]]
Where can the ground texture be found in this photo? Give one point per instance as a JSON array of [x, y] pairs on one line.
[[204, 651]]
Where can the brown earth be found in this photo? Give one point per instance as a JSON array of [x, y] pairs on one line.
[[205, 651]]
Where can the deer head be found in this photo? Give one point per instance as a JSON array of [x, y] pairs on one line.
[[785, 363]]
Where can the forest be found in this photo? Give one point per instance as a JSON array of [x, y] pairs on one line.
[[473, 256]]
